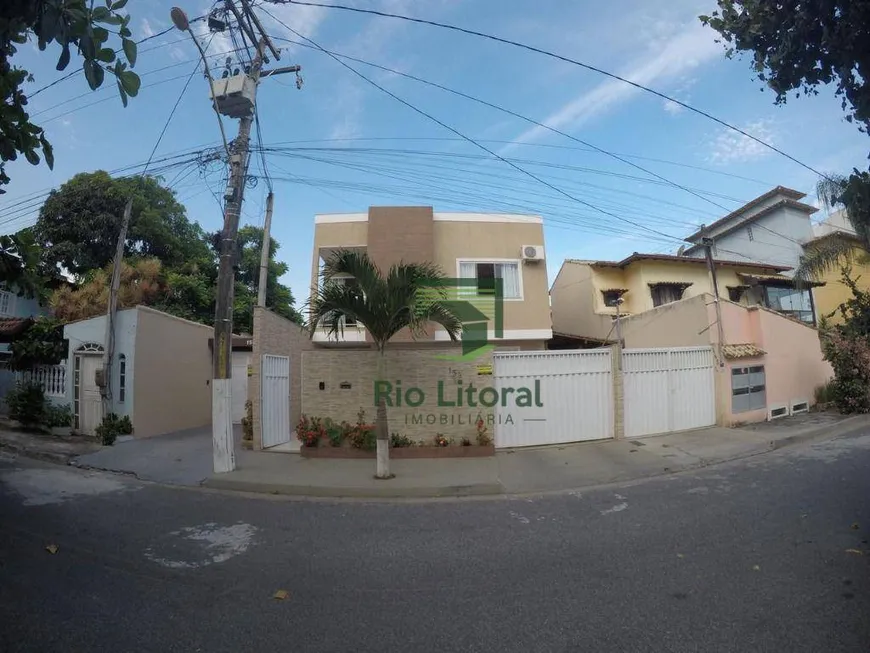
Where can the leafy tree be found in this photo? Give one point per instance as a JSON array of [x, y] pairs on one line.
[[847, 347], [383, 305], [142, 282], [74, 25], [41, 344], [279, 297], [823, 255], [20, 267], [798, 46], [78, 225]]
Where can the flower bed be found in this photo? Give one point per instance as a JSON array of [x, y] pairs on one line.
[[325, 438]]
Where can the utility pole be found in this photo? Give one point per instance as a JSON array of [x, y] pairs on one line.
[[266, 252], [708, 251], [105, 383], [619, 343], [221, 416], [223, 446]]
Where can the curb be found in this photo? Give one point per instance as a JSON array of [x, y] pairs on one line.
[[45, 456], [481, 489], [844, 427]]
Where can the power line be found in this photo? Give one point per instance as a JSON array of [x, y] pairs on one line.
[[469, 139], [118, 51], [525, 118], [560, 57], [503, 142], [103, 89]]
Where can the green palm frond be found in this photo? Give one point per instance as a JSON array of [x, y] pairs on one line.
[[824, 256], [384, 305]]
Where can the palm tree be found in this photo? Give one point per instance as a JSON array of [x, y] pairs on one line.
[[853, 194], [408, 297]]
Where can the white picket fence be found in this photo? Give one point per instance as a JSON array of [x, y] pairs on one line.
[[52, 378]]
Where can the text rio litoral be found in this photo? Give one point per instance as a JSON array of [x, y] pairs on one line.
[[459, 395]]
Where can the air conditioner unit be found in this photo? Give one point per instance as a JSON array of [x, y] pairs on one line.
[[532, 253]]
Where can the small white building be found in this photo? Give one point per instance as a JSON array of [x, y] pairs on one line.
[[161, 372]]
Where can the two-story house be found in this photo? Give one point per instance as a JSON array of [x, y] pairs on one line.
[[481, 246], [587, 295], [773, 229]]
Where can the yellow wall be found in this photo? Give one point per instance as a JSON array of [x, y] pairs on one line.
[[578, 303], [828, 298]]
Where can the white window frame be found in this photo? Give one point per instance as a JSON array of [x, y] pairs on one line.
[[9, 299], [494, 261]]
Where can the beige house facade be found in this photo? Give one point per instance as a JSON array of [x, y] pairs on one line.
[[464, 245]]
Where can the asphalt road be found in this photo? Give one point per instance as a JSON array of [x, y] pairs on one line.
[[766, 554]]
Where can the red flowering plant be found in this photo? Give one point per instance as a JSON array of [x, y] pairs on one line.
[[441, 440], [363, 435], [310, 431]]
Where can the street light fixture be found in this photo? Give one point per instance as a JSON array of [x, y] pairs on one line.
[[180, 20]]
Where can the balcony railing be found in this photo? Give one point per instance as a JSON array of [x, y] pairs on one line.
[[52, 378]]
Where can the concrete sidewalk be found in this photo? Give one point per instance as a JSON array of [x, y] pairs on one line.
[[525, 471]]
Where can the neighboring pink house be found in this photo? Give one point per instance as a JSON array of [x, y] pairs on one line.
[[771, 364]]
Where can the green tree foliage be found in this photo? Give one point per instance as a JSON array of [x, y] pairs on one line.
[[279, 298], [74, 25], [797, 46], [847, 347], [41, 344], [21, 267], [78, 225]]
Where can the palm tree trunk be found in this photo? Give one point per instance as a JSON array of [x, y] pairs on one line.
[[382, 427]]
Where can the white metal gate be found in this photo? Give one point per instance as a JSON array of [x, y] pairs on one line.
[[275, 400], [574, 390], [668, 390]]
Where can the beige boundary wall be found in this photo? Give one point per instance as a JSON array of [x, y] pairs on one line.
[[279, 336], [348, 385]]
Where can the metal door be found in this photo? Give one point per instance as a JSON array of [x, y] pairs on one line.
[[275, 400]]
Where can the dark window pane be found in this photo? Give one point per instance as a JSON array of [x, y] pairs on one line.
[[485, 278]]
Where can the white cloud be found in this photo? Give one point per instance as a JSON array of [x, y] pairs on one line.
[[731, 147], [672, 107], [147, 30], [665, 60]]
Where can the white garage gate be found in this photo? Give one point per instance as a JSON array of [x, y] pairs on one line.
[[572, 397], [667, 390]]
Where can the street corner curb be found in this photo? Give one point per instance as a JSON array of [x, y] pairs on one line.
[[44, 456], [844, 427], [481, 489]]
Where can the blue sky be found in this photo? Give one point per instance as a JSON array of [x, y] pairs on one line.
[[343, 145]]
